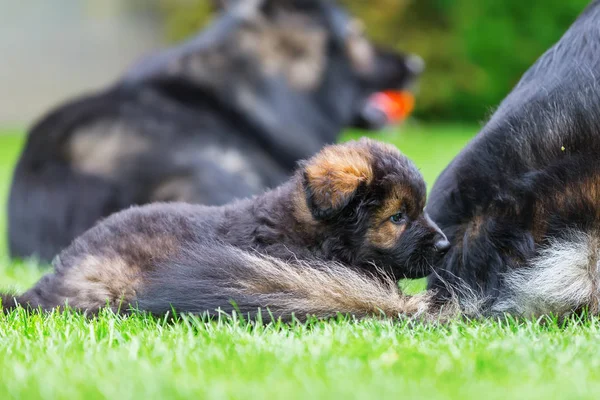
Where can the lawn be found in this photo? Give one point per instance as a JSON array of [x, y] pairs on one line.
[[67, 356]]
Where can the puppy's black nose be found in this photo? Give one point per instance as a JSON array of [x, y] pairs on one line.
[[442, 245]]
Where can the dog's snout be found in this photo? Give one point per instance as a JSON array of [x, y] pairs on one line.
[[442, 245], [415, 64]]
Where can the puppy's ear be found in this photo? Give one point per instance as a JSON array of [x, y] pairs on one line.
[[333, 176]]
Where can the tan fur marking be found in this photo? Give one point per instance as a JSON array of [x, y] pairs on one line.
[[289, 47], [588, 190], [175, 189], [585, 192], [360, 50], [383, 233], [386, 235], [399, 198], [474, 226], [99, 149], [301, 211], [327, 289], [144, 248], [336, 172], [96, 282]]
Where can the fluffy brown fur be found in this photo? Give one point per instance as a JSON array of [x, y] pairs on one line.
[[330, 240]]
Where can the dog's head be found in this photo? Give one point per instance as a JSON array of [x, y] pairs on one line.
[[322, 51], [368, 200], [304, 60]]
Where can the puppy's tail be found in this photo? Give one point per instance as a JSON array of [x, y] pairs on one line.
[[10, 301], [230, 279], [563, 278], [6, 299]]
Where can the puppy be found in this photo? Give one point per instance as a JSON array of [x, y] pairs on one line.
[[312, 246], [521, 203]]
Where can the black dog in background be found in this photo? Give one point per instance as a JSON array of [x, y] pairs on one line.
[[521, 203], [222, 116]]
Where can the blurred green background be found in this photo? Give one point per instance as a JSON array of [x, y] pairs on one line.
[[475, 50]]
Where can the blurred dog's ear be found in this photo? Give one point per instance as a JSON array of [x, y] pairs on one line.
[[332, 178]]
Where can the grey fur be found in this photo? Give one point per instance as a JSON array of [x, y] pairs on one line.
[[562, 278]]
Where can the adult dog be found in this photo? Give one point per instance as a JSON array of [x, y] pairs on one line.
[[323, 243], [521, 203], [222, 116]]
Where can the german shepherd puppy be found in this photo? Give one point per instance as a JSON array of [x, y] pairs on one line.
[[521, 203], [225, 115], [312, 246]]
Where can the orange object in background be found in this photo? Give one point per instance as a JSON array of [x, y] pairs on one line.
[[385, 108], [396, 105]]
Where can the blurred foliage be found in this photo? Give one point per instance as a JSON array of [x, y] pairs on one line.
[[475, 50], [185, 17]]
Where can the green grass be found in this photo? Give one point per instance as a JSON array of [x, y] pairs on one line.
[[10, 145], [65, 356]]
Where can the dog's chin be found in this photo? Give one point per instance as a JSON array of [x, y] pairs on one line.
[[413, 270], [416, 267], [417, 272]]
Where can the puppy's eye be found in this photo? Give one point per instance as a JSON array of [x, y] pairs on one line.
[[397, 218]]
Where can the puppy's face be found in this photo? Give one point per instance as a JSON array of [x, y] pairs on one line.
[[369, 200]]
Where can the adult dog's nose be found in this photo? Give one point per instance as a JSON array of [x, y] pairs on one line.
[[415, 64]]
